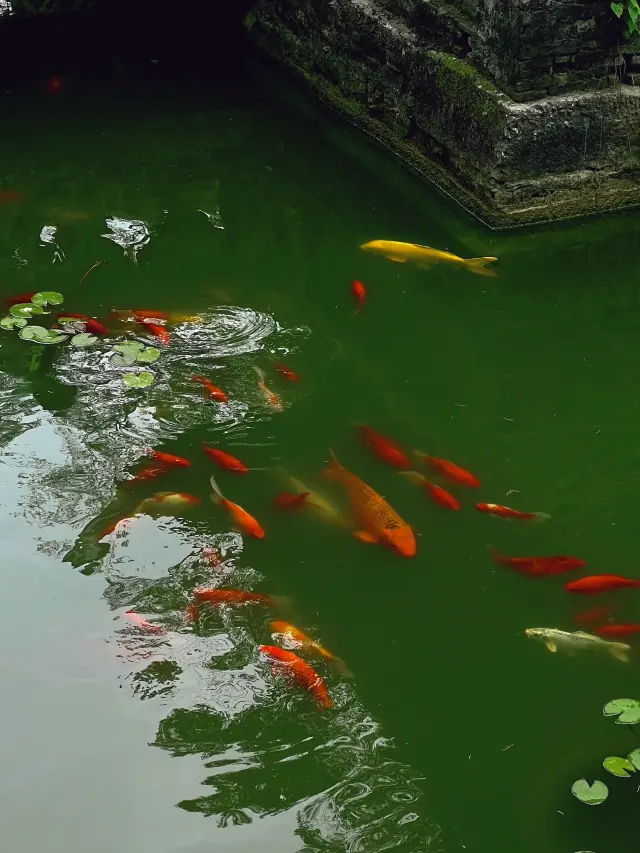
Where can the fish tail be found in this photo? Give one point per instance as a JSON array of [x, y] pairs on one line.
[[217, 496], [260, 372], [341, 666], [497, 556], [541, 516], [620, 651], [421, 455], [414, 477], [479, 266], [281, 602], [335, 468]]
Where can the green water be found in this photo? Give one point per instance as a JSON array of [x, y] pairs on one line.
[[457, 733]]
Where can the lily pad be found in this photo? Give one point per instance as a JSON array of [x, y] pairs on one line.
[[125, 360], [84, 339], [138, 380], [12, 323], [634, 758], [149, 355], [592, 795], [47, 297], [129, 346], [627, 711], [25, 310], [40, 335], [618, 766]]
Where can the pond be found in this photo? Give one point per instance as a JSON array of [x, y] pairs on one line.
[[236, 211]]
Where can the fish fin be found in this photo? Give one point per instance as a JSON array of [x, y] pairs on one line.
[[334, 469], [365, 536], [541, 516], [479, 266], [420, 454], [396, 259], [620, 651], [260, 372], [551, 645], [414, 477], [217, 495], [342, 668]]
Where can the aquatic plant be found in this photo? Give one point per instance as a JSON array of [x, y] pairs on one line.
[[628, 713]]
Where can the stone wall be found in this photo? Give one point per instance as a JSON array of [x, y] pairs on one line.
[[505, 104]]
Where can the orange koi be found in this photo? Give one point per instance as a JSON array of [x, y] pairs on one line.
[[538, 566], [245, 522], [621, 630], [225, 460], [507, 512], [383, 447], [589, 617], [306, 641], [213, 595], [144, 624], [440, 496], [158, 332], [212, 390], [169, 459], [149, 472], [6, 197], [91, 325], [378, 521], [359, 291], [305, 675], [288, 374], [167, 502], [448, 470], [19, 297], [271, 398], [289, 500], [595, 584], [144, 314]]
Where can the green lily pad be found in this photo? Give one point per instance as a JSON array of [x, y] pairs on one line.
[[84, 339], [618, 766], [25, 310], [634, 758], [125, 360], [149, 355], [12, 323], [47, 297], [627, 711], [592, 795], [40, 335], [138, 380], [129, 346]]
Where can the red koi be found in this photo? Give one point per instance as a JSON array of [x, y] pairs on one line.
[[19, 297], [289, 500], [539, 566], [359, 291], [438, 494], [383, 447], [149, 472], [225, 460], [91, 325], [144, 314], [214, 595], [158, 332], [621, 630], [304, 674], [287, 372], [7, 197], [245, 522], [212, 390], [54, 84], [169, 459], [507, 512], [595, 584], [590, 617], [144, 624], [450, 471]]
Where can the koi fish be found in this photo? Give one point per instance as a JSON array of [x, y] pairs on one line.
[[158, 332], [225, 460], [163, 501], [288, 374], [383, 447], [142, 623], [144, 314], [19, 298], [317, 502], [289, 500], [589, 617], [149, 472], [451, 472], [245, 522], [6, 197], [231, 596], [578, 641], [425, 256], [359, 292], [440, 496], [212, 556], [272, 399], [507, 512], [378, 521], [621, 630], [169, 459], [91, 325], [305, 641], [212, 390], [538, 566], [305, 675], [595, 584]]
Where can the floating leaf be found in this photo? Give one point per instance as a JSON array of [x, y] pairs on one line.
[[12, 323], [47, 297], [627, 710], [149, 355], [634, 758], [84, 339], [25, 309], [125, 360], [138, 380], [618, 766], [592, 795], [40, 335], [129, 346]]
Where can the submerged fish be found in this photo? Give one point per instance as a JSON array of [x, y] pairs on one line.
[[304, 674], [555, 639], [300, 637], [143, 623], [449, 470], [424, 256], [212, 390], [167, 502], [288, 374], [507, 512], [149, 472], [595, 584], [272, 398], [317, 502], [383, 447], [92, 326], [619, 630], [225, 460], [539, 566], [158, 332], [440, 496], [289, 500], [245, 522], [378, 521], [359, 291], [590, 617], [231, 596], [169, 459]]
